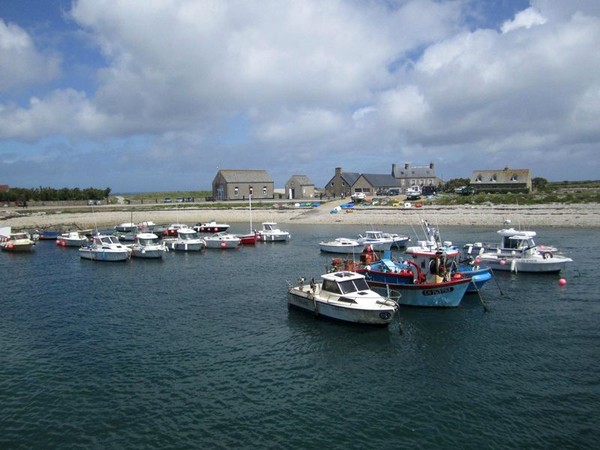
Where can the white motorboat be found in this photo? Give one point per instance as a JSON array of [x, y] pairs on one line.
[[71, 239], [105, 248], [16, 242], [271, 233], [343, 296], [518, 252], [342, 245], [173, 229], [126, 227], [148, 245], [187, 240], [380, 241], [222, 241]]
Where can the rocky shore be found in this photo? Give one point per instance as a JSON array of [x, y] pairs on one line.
[[556, 215]]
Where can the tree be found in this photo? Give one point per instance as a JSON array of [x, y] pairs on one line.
[[539, 184]]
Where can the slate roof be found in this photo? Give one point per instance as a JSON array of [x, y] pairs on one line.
[[246, 176], [414, 172], [302, 180], [380, 180], [350, 177]]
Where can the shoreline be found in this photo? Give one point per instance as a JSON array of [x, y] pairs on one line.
[[549, 215]]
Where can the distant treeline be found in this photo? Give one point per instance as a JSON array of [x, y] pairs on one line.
[[46, 194]]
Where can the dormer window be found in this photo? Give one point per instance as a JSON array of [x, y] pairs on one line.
[[514, 177]]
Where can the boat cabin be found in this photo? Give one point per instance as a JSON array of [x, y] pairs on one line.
[[517, 240], [344, 283]]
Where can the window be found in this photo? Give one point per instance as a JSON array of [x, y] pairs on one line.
[[265, 191], [236, 191], [514, 177]]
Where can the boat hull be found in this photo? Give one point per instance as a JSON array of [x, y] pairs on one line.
[[187, 246], [526, 265], [274, 237], [153, 253], [104, 254], [248, 239], [428, 295], [17, 248], [70, 242], [222, 244], [341, 249], [478, 277], [303, 300]]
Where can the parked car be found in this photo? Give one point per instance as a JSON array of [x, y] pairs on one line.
[[168, 200]]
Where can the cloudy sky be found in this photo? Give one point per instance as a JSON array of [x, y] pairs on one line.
[[154, 95]]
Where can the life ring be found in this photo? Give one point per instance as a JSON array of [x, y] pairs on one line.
[[547, 255]]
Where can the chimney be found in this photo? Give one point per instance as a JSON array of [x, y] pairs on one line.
[[393, 170], [406, 166], [431, 165], [338, 170]]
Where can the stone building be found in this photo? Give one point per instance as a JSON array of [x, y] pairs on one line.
[[239, 184], [411, 176], [299, 187], [503, 180]]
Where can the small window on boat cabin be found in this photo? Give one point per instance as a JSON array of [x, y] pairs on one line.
[[347, 286], [331, 286]]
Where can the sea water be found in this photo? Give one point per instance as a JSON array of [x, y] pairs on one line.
[[199, 350]]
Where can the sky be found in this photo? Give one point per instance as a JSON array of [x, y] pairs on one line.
[[158, 95]]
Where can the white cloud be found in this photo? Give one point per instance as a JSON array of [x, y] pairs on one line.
[[21, 64], [524, 19], [325, 80]]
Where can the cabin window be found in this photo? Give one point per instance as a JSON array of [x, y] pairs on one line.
[[331, 286], [347, 287]]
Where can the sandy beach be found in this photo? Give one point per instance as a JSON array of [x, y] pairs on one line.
[[556, 215]]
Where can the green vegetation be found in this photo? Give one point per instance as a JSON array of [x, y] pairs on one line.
[[47, 194], [543, 192]]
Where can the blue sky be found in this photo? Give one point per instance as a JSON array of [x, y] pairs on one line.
[[153, 95]]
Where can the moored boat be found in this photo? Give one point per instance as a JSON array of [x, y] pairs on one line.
[[47, 235], [148, 245], [173, 229], [222, 241], [187, 240], [341, 245], [72, 239], [105, 248], [16, 242], [343, 296], [211, 227], [380, 241], [248, 238], [518, 252], [272, 233]]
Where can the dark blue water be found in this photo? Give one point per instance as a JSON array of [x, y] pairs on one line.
[[200, 351]]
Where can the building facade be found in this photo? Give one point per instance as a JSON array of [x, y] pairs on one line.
[[240, 184], [503, 180], [341, 183], [410, 176], [299, 187]]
